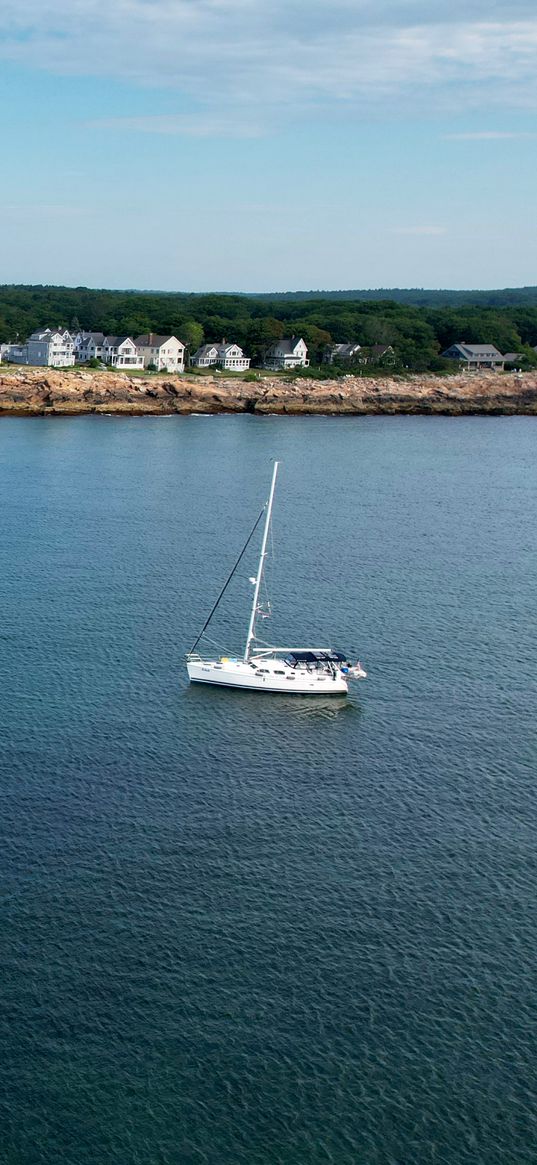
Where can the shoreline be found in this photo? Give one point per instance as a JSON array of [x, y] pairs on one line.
[[42, 392]]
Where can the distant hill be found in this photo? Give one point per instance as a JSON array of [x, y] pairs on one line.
[[412, 296], [417, 296]]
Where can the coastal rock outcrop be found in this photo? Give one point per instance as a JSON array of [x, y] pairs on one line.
[[45, 392]]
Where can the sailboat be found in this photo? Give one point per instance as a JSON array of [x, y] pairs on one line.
[[294, 670]]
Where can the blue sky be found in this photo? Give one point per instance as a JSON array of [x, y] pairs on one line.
[[237, 145]]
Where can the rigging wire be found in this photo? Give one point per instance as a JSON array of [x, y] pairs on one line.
[[219, 646], [264, 607], [229, 578], [268, 577], [265, 644]]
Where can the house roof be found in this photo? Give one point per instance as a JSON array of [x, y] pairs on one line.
[[512, 356], [344, 349], [228, 347], [46, 334], [205, 349], [220, 349], [115, 341], [97, 337], [286, 347], [380, 349], [152, 341], [478, 351]]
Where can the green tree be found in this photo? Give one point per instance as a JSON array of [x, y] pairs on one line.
[[191, 333], [261, 333]]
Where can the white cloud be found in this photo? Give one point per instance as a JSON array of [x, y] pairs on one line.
[[197, 125], [232, 57], [419, 230], [487, 135], [47, 210]]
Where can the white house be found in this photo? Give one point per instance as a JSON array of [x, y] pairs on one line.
[[232, 356], [291, 353], [475, 355], [88, 346], [224, 355], [166, 353], [50, 348], [121, 352], [205, 357]]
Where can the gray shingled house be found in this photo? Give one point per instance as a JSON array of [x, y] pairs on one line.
[[475, 355]]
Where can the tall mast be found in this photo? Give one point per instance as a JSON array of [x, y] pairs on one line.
[[251, 627]]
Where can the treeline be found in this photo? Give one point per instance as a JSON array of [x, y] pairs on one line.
[[422, 296], [417, 334]]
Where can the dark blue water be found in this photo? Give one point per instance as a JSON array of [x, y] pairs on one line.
[[242, 929]]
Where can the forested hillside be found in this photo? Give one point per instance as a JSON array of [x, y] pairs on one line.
[[423, 297], [417, 334]]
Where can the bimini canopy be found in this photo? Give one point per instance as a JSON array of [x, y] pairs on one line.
[[295, 657]]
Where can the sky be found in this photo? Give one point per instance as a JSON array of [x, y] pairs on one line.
[[243, 145]]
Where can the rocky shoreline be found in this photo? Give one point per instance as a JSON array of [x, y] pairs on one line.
[[44, 392]]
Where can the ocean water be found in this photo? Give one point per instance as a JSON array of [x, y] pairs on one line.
[[242, 929]]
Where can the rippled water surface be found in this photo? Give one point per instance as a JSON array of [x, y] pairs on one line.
[[247, 929]]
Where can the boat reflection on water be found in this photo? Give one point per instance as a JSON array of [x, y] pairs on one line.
[[324, 709], [231, 702]]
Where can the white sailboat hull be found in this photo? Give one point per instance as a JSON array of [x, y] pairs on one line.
[[265, 677], [294, 671]]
